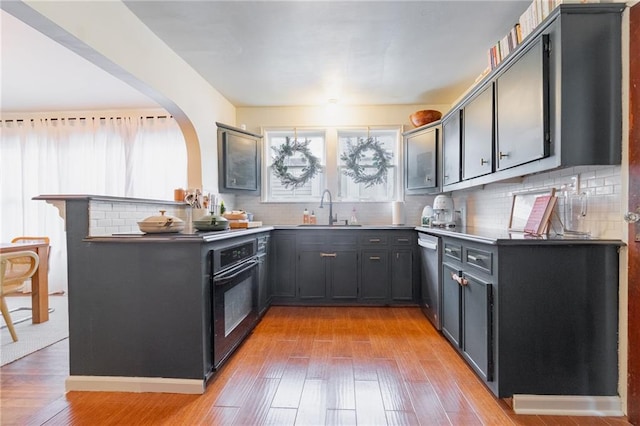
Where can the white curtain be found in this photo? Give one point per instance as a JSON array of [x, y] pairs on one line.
[[142, 157]]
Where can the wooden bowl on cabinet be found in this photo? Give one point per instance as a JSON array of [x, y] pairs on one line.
[[425, 116]]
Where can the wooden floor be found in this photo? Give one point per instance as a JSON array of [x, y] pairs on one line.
[[302, 366]]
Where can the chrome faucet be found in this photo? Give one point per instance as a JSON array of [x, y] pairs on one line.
[[332, 220]]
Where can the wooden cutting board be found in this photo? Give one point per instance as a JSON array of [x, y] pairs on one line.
[[234, 224]]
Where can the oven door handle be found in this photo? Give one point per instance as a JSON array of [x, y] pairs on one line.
[[234, 272]]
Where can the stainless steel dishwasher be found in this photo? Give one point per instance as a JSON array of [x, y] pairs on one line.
[[431, 282]]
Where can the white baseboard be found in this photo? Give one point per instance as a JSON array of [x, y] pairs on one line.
[[134, 384], [567, 405]]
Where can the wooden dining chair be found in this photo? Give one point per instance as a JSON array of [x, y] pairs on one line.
[[31, 240], [15, 268]]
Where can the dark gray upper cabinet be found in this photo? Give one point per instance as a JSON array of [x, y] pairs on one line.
[[522, 108], [558, 101], [451, 132], [477, 135], [239, 161], [421, 160]]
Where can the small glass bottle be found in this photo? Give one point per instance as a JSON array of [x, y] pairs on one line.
[[312, 218], [305, 216], [353, 220]]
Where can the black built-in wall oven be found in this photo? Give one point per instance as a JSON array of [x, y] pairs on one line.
[[234, 281]]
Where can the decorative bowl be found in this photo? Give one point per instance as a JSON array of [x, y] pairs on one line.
[[161, 224], [425, 116], [211, 223]]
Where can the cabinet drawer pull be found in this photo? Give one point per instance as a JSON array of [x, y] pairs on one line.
[[483, 161], [327, 255], [374, 240], [477, 258], [451, 251], [374, 257], [403, 240], [503, 155]]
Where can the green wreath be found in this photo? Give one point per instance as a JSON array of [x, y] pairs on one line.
[[353, 156], [287, 150]]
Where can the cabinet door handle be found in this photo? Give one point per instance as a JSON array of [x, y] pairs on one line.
[[428, 179], [483, 161], [328, 255], [503, 155], [460, 280], [374, 257], [403, 240], [374, 240]]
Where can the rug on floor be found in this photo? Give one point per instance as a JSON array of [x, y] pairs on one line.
[[33, 337]]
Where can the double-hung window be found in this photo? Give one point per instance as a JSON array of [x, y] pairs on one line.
[[329, 146], [388, 141], [294, 165]]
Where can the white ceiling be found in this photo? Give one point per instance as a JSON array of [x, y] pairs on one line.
[[273, 53], [40, 75]]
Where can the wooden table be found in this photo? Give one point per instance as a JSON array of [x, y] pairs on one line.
[[39, 280]]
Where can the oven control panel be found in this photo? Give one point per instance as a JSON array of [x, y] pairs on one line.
[[235, 254]]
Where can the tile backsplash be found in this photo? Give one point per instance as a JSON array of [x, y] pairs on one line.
[[487, 206], [490, 206], [111, 217]]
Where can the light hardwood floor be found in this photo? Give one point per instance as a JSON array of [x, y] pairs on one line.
[[302, 366]]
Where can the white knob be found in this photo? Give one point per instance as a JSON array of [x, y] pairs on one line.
[[631, 217]]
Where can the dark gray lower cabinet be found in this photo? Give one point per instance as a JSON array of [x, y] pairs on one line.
[[451, 312], [283, 265], [327, 274], [369, 267], [263, 276], [477, 316], [402, 273], [534, 316], [327, 266], [343, 279], [375, 276]]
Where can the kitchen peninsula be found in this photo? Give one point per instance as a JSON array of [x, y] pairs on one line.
[[140, 306]]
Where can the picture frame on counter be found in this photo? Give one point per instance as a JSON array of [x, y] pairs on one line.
[[522, 203]]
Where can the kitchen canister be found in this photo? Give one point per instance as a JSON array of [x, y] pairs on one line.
[[427, 216], [397, 213]]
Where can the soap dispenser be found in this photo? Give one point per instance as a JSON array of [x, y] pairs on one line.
[[305, 216]]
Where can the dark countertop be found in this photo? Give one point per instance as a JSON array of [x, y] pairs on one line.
[[343, 227], [106, 198], [505, 237], [196, 237]]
